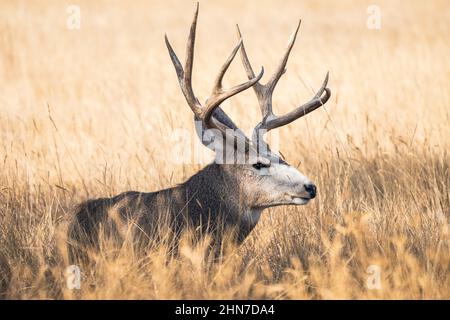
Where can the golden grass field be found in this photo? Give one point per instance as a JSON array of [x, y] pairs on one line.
[[89, 113]]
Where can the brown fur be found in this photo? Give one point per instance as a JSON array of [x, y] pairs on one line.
[[207, 202]]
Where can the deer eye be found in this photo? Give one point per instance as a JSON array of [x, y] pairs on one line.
[[260, 165]]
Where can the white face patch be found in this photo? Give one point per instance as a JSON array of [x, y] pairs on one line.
[[282, 184], [287, 174]]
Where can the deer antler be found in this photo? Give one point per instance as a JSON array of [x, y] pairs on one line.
[[218, 95], [264, 92]]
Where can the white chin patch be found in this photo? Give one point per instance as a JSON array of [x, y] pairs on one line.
[[299, 201]]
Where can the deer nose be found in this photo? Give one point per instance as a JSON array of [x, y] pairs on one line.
[[311, 189]]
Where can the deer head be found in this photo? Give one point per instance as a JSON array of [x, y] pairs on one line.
[[263, 178]]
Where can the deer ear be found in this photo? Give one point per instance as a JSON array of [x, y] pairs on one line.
[[212, 138], [208, 137], [228, 150]]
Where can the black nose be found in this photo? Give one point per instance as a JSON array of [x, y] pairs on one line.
[[311, 189]]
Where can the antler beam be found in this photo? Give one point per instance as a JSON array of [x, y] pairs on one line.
[[218, 94], [264, 92]]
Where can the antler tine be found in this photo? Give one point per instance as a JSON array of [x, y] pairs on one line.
[[219, 94], [184, 76], [324, 85], [264, 92], [265, 101], [218, 81], [317, 101], [204, 113], [245, 62], [282, 66], [190, 49]]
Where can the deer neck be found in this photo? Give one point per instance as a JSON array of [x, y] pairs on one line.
[[216, 191]]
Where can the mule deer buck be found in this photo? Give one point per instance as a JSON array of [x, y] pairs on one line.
[[222, 196]]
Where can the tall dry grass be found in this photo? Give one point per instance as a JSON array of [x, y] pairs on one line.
[[89, 113]]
